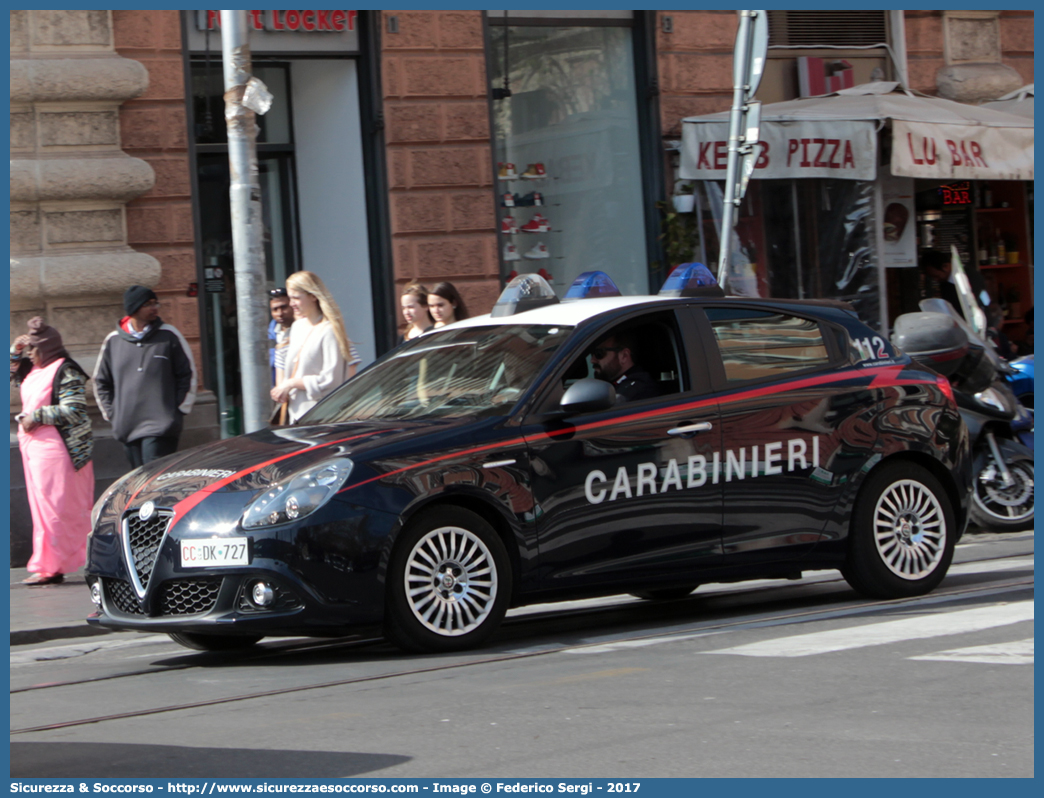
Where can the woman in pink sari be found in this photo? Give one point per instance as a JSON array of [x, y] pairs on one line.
[[54, 437]]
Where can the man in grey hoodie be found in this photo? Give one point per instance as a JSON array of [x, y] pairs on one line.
[[145, 379]]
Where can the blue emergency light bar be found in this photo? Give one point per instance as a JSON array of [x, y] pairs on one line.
[[691, 279], [592, 284]]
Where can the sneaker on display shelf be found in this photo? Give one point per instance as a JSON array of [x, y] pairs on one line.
[[511, 252], [508, 200], [530, 199], [538, 224], [535, 171], [508, 226], [506, 171], [538, 252]]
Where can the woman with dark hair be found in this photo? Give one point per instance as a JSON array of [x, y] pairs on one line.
[[414, 304], [446, 304], [54, 438]]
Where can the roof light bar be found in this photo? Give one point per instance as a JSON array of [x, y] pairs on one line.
[[691, 279], [525, 292], [592, 284]]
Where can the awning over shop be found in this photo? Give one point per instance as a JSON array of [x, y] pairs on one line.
[[835, 135], [1019, 102]]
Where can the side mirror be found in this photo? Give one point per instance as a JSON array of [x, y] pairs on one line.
[[588, 396]]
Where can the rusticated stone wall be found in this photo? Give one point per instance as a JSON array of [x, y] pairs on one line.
[[98, 154], [969, 56], [438, 145], [695, 65], [70, 180], [153, 128]]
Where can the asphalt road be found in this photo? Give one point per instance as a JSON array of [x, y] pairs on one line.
[[766, 679]]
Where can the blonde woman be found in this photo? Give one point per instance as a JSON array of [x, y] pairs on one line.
[[320, 355]]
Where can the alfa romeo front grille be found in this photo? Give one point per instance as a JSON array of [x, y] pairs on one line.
[[143, 539], [189, 596], [120, 594]]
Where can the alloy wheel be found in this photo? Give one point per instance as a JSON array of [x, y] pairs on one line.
[[451, 581], [909, 529]]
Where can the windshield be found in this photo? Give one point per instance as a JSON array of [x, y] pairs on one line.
[[472, 371]]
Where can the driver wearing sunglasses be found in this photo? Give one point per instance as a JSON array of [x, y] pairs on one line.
[[614, 361]]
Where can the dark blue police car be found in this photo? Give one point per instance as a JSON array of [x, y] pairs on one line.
[[484, 466]]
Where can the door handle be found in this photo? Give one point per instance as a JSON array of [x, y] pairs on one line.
[[498, 463], [691, 429]]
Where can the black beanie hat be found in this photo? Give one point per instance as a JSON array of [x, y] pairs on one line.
[[136, 296]]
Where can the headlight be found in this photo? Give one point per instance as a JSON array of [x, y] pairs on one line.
[[994, 398], [299, 497]]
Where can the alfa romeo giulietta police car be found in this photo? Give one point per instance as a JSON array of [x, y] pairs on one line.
[[550, 450]]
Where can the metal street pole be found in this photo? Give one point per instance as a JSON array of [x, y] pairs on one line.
[[247, 246], [740, 73]]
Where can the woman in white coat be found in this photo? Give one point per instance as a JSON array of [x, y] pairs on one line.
[[320, 355]]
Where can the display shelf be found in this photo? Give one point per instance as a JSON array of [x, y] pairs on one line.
[[1002, 266]]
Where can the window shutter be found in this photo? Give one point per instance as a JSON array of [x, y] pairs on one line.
[[839, 28]]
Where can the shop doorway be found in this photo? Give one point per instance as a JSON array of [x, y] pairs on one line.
[[312, 177]]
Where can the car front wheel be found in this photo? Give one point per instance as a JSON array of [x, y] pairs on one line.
[[449, 582], [902, 534]]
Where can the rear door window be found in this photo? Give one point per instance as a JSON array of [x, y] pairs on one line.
[[766, 344]]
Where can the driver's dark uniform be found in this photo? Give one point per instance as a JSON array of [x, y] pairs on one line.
[[635, 383]]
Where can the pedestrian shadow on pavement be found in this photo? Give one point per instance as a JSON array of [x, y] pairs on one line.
[[117, 760]]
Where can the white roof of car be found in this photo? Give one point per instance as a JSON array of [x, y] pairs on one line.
[[569, 313]]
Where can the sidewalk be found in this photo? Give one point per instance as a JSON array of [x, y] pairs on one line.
[[49, 612]]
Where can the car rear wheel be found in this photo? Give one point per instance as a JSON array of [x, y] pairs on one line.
[[664, 594], [449, 582], [205, 642], [902, 534]]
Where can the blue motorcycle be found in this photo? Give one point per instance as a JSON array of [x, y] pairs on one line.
[[1021, 381], [1000, 428]]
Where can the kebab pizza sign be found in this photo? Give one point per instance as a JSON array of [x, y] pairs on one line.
[[845, 150]]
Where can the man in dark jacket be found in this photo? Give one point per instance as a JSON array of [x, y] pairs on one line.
[[614, 361], [145, 379]]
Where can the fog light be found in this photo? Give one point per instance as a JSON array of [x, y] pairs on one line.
[[261, 594], [96, 592]]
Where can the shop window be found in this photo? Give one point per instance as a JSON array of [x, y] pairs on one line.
[[761, 345], [569, 183]]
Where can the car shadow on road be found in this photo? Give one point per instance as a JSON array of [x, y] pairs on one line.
[[117, 760]]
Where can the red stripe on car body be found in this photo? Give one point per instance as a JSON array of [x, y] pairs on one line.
[[883, 376], [186, 504]]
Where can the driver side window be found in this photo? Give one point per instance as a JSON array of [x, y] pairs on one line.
[[641, 358]]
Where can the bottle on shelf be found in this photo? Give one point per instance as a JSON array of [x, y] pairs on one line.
[[987, 199], [1002, 252]]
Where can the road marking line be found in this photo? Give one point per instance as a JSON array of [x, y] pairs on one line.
[[876, 634], [626, 644], [1019, 652], [991, 566]]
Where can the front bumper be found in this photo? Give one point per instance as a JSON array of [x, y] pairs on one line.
[[325, 573]]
